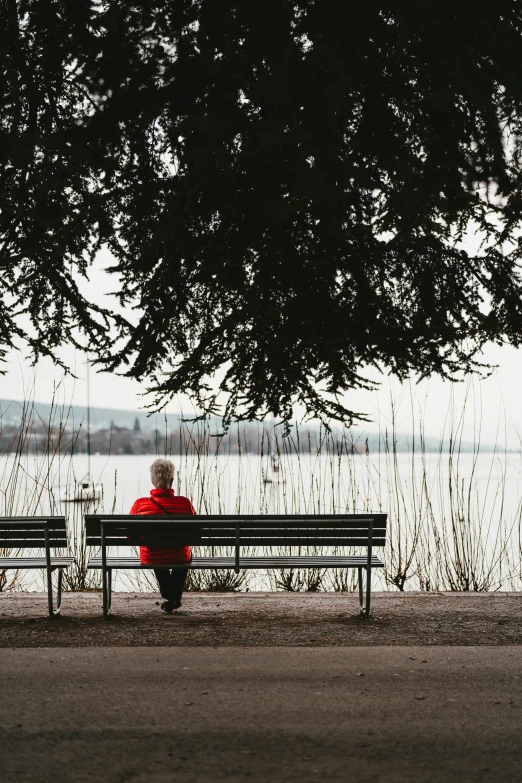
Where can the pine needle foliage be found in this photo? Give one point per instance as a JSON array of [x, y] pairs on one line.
[[285, 186]]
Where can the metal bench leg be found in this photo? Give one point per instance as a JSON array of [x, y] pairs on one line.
[[54, 611], [368, 590], [107, 591], [365, 606], [369, 570]]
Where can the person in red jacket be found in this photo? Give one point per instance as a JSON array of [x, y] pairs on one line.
[[163, 501]]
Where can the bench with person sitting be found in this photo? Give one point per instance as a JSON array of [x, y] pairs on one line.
[[166, 544]]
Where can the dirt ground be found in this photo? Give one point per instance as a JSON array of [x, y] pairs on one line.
[[264, 619]]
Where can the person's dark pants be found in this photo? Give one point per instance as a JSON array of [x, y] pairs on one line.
[[171, 583]]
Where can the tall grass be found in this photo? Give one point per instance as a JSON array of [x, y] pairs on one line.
[[35, 469], [449, 527]]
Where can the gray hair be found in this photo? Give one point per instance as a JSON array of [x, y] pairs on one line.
[[161, 473]]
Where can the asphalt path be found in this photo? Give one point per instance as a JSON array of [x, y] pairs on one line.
[[261, 714]]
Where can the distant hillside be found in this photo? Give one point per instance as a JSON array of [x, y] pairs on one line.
[[101, 418], [167, 424]]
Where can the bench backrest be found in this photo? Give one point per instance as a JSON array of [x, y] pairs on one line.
[[235, 530], [31, 532]]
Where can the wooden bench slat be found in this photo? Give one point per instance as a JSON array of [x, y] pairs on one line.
[[33, 562], [272, 542], [285, 518], [174, 537], [199, 560], [173, 527], [37, 543], [208, 563], [33, 530], [6, 535], [179, 539], [31, 524], [57, 522], [199, 522]]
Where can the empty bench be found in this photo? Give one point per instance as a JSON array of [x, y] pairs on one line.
[[239, 531], [47, 533]]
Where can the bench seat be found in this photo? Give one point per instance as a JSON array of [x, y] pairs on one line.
[[264, 561]]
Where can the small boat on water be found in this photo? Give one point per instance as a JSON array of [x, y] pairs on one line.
[[82, 491]]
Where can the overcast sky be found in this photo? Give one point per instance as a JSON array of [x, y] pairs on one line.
[[496, 400]]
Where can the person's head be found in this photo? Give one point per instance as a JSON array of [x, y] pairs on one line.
[[162, 473]]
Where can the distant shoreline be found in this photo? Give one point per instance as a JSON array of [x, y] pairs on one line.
[[117, 431]]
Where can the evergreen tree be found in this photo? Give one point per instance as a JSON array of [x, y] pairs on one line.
[[284, 185]]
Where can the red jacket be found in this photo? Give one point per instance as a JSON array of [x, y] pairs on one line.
[[174, 504]]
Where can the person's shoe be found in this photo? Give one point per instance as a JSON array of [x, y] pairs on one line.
[[169, 606]]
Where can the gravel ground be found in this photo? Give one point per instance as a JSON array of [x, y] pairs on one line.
[[264, 619]]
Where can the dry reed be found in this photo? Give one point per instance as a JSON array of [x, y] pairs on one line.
[[448, 529]]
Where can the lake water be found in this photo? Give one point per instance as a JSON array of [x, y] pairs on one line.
[[450, 518], [322, 484]]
